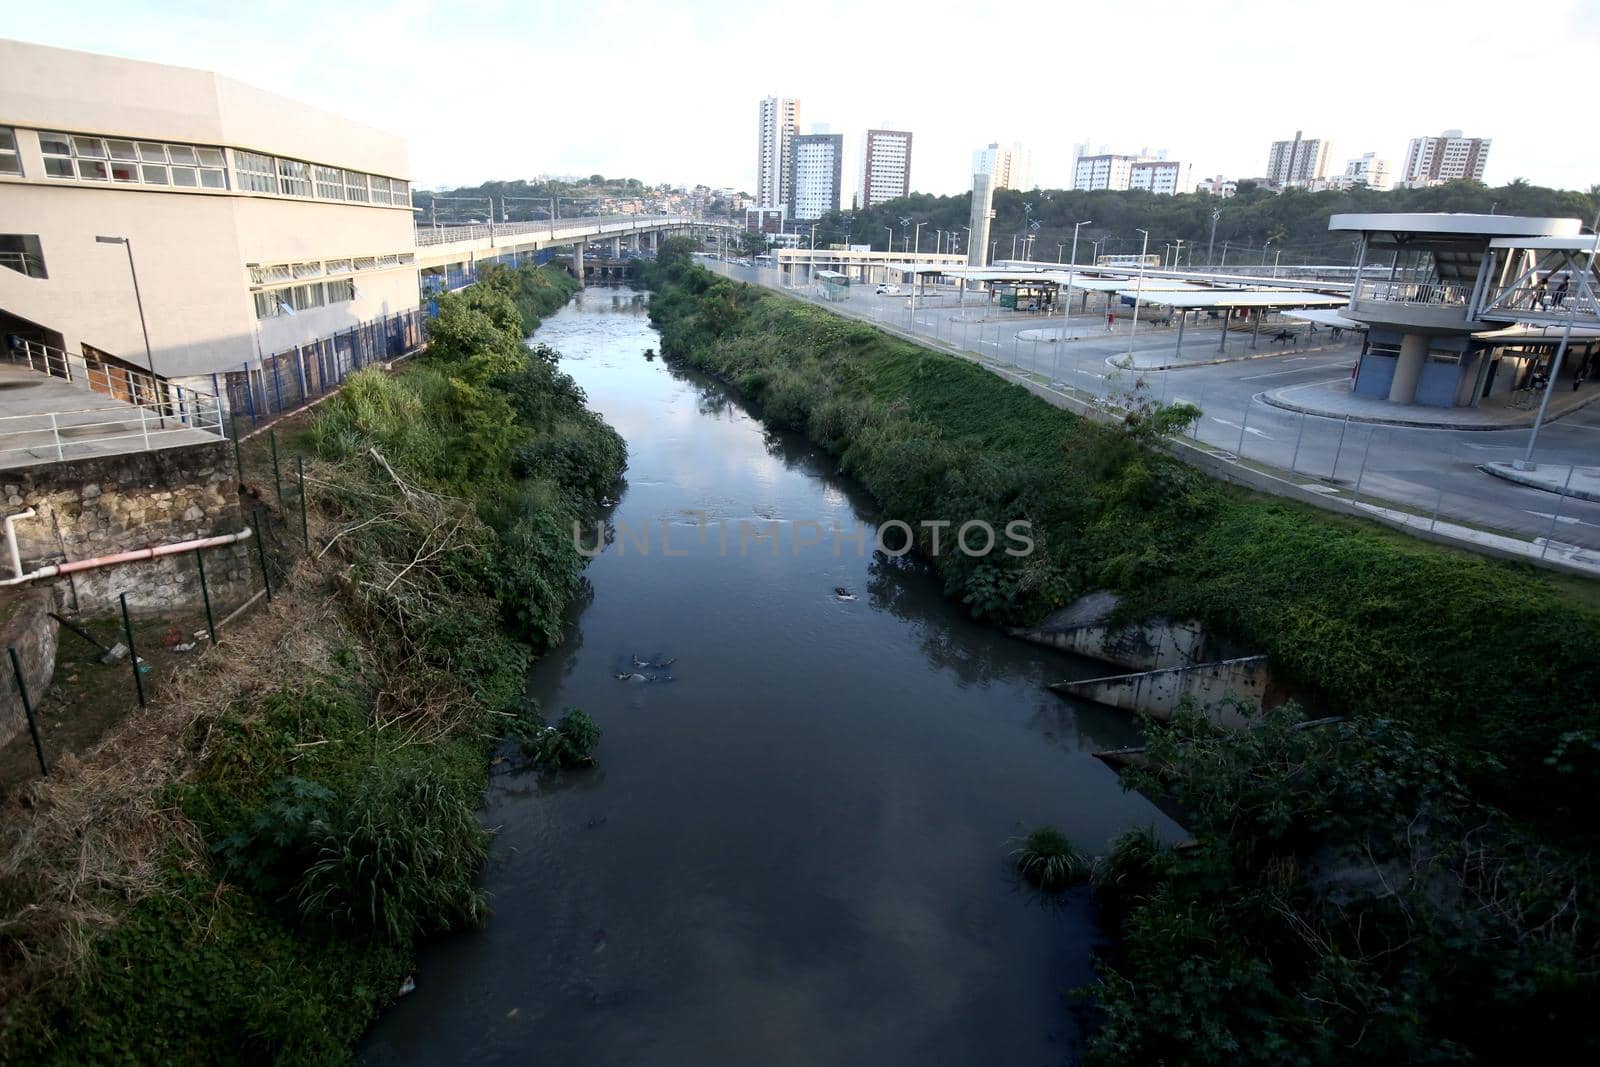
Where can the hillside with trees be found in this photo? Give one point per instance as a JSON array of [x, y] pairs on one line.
[[1253, 226]]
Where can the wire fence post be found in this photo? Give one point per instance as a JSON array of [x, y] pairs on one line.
[[238, 458], [1333, 474], [1438, 502], [1294, 459], [277, 473], [261, 552], [205, 593], [133, 651], [1243, 424], [305, 518], [1565, 486], [1362, 473], [27, 708]]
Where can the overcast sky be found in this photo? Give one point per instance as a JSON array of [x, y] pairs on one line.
[[669, 92]]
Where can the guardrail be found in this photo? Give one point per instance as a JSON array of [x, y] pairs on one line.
[[1431, 293], [616, 225], [24, 263]]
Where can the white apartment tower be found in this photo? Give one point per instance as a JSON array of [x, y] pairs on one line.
[[885, 166], [1370, 170], [1103, 171], [1011, 168], [1446, 158], [815, 167], [780, 122], [1163, 177], [1298, 162]]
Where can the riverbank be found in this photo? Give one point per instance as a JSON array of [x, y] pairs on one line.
[[1468, 684], [243, 870]]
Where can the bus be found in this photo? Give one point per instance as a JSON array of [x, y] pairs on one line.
[[835, 286], [1129, 262]]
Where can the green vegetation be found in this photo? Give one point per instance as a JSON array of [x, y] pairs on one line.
[[569, 743], [245, 872], [1295, 222], [1469, 685], [1048, 860]]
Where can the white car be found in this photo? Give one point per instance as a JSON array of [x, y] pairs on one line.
[[888, 290]]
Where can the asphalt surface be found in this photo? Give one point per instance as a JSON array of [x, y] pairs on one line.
[[1427, 470]]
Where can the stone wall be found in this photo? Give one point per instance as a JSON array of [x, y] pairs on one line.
[[103, 505], [25, 625]]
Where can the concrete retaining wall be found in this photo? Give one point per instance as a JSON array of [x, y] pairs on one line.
[[1086, 628], [106, 504], [1160, 692], [25, 625]]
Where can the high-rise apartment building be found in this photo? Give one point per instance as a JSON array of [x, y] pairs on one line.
[[885, 166], [1011, 168], [1369, 170], [1103, 172], [815, 168], [780, 122], [1446, 158], [1298, 162], [1163, 177]]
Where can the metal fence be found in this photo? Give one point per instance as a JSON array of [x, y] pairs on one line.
[[290, 379]]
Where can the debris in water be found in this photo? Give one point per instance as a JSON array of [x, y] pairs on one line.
[[408, 986], [841, 593]]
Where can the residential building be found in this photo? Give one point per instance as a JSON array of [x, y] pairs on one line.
[[1446, 158], [885, 166], [1163, 177], [1370, 171], [249, 223], [1103, 171], [1298, 161], [764, 219], [1218, 186], [815, 169], [780, 122], [1011, 168]]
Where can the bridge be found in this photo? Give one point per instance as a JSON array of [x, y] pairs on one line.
[[457, 251]]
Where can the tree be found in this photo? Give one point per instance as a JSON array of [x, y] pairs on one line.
[[752, 243]]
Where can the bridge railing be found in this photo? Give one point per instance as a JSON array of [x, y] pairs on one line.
[[605, 225]]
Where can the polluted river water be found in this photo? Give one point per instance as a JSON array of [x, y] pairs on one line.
[[794, 846]]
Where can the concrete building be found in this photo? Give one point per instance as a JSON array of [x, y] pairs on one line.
[[764, 219], [1369, 170], [780, 122], [885, 166], [1103, 171], [1011, 168], [1446, 158], [253, 223], [1461, 307], [816, 163], [1298, 161], [1163, 177], [1218, 186]]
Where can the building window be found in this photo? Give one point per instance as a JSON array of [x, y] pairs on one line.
[[344, 289], [311, 269], [21, 252], [294, 178], [330, 182], [355, 186], [132, 162], [10, 163], [338, 266], [266, 305], [257, 173], [380, 189], [400, 193], [305, 297]]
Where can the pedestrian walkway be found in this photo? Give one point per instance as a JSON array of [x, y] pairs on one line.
[[1581, 482], [1333, 399], [45, 419]]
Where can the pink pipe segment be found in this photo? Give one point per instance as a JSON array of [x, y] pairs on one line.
[[151, 553]]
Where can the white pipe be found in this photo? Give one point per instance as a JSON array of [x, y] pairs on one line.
[[133, 556], [11, 541]]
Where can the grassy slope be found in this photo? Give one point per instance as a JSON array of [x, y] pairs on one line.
[[349, 722]]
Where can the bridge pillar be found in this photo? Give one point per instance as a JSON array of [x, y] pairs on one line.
[[577, 261], [1408, 368], [633, 242], [616, 248]]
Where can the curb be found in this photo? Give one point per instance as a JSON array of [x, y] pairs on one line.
[[1521, 478], [1224, 359], [1289, 405]]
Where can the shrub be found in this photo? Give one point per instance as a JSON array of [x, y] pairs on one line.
[[569, 743], [1048, 860]]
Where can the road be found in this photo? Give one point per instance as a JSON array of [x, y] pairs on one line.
[[1431, 472]]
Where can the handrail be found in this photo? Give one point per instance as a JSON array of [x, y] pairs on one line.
[[1432, 293], [556, 228]]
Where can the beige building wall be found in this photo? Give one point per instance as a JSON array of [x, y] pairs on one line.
[[193, 247]]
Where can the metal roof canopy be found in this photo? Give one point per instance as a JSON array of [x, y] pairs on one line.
[[1580, 243], [1256, 298], [1325, 317], [1451, 224]]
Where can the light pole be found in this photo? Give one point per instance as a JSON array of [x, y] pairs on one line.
[[1066, 305], [138, 300], [891, 237], [920, 225], [1138, 293], [1177, 253], [1264, 251], [1527, 463], [1216, 213], [1275, 257], [905, 233], [1060, 251]]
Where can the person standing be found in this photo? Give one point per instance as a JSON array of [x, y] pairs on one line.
[[1111, 321]]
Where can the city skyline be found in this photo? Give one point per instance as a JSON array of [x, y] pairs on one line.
[[457, 138]]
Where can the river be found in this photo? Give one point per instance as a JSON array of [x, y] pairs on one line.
[[795, 850]]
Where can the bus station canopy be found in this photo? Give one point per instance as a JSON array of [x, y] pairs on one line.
[[1217, 299], [1325, 317]]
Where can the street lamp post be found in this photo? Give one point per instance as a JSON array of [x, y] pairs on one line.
[[920, 225], [1138, 293], [1066, 305], [1216, 213], [1177, 253], [1264, 251], [138, 300], [891, 237], [1275, 257]]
